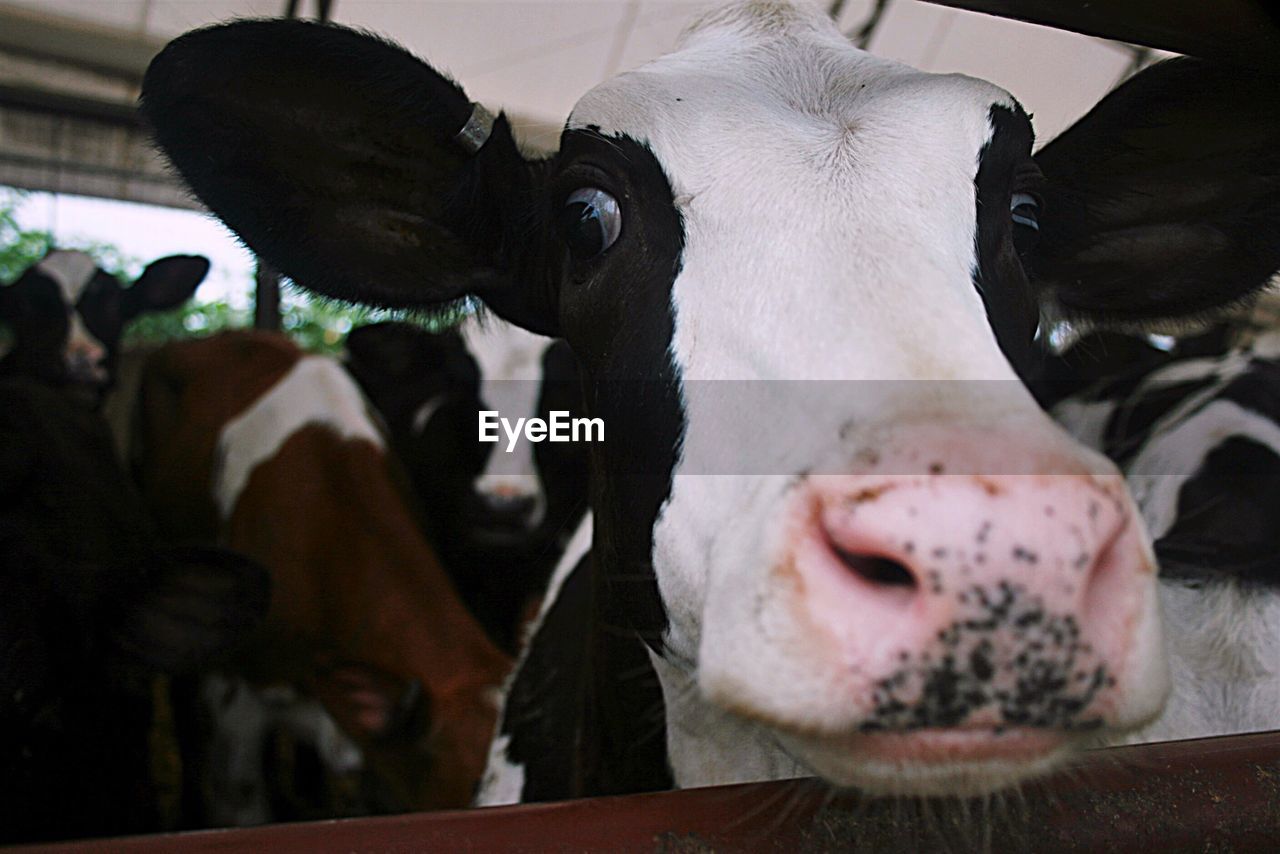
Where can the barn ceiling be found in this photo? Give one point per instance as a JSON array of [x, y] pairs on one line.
[[532, 57]]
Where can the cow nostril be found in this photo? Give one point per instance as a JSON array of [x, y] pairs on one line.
[[877, 570]]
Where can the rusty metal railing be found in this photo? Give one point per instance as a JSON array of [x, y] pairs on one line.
[[1218, 794]]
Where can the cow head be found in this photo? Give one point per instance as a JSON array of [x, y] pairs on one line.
[[802, 281], [509, 499], [426, 386], [66, 314], [430, 387]]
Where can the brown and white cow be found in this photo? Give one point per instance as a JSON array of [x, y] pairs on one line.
[[250, 442], [804, 284]]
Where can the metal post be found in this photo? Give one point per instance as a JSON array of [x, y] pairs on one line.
[[266, 303]]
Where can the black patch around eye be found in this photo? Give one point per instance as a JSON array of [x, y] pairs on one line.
[[1024, 219], [48, 302], [581, 229], [617, 314], [100, 307], [590, 222], [1004, 245]]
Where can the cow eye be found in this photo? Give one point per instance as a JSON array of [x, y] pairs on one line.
[[590, 221], [1024, 211]]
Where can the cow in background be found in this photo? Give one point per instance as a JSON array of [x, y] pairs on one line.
[[246, 440], [498, 520], [535, 489], [1195, 427], [90, 611], [66, 315]]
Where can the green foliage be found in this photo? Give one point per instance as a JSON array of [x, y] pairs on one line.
[[19, 248], [191, 320], [317, 324], [321, 325]]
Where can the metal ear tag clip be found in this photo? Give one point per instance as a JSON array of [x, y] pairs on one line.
[[475, 133]]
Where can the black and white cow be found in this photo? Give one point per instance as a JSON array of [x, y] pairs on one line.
[[1197, 433], [527, 488], [904, 578], [498, 516], [66, 314]]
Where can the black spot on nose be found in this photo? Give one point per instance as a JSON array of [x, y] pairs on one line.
[[980, 663]]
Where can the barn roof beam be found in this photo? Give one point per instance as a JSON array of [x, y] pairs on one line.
[[106, 50], [1243, 32]]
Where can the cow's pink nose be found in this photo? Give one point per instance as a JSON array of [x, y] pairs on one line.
[[975, 600]]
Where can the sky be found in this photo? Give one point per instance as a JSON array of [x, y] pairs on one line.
[[145, 233]]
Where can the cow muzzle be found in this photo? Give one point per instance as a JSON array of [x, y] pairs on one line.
[[934, 616]]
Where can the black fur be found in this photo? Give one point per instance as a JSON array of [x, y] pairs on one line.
[[91, 611], [1164, 200], [1005, 167]]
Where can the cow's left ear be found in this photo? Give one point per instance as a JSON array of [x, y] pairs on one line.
[[165, 284], [1163, 202], [351, 166]]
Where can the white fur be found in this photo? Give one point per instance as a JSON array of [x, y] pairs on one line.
[[503, 779], [1086, 419], [707, 746], [1222, 639], [1224, 649], [848, 258], [242, 718], [316, 391], [510, 361], [72, 270]]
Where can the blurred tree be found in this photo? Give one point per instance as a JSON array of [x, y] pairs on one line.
[[19, 247], [317, 324]]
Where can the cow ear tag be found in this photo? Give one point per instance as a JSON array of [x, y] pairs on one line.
[[475, 133]]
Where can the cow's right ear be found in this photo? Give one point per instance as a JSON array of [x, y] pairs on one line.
[[348, 164]]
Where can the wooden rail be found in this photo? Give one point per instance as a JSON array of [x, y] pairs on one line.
[[1219, 794]]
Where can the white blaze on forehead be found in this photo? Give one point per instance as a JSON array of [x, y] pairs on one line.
[[825, 189], [830, 217], [72, 271], [315, 392], [510, 362]]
